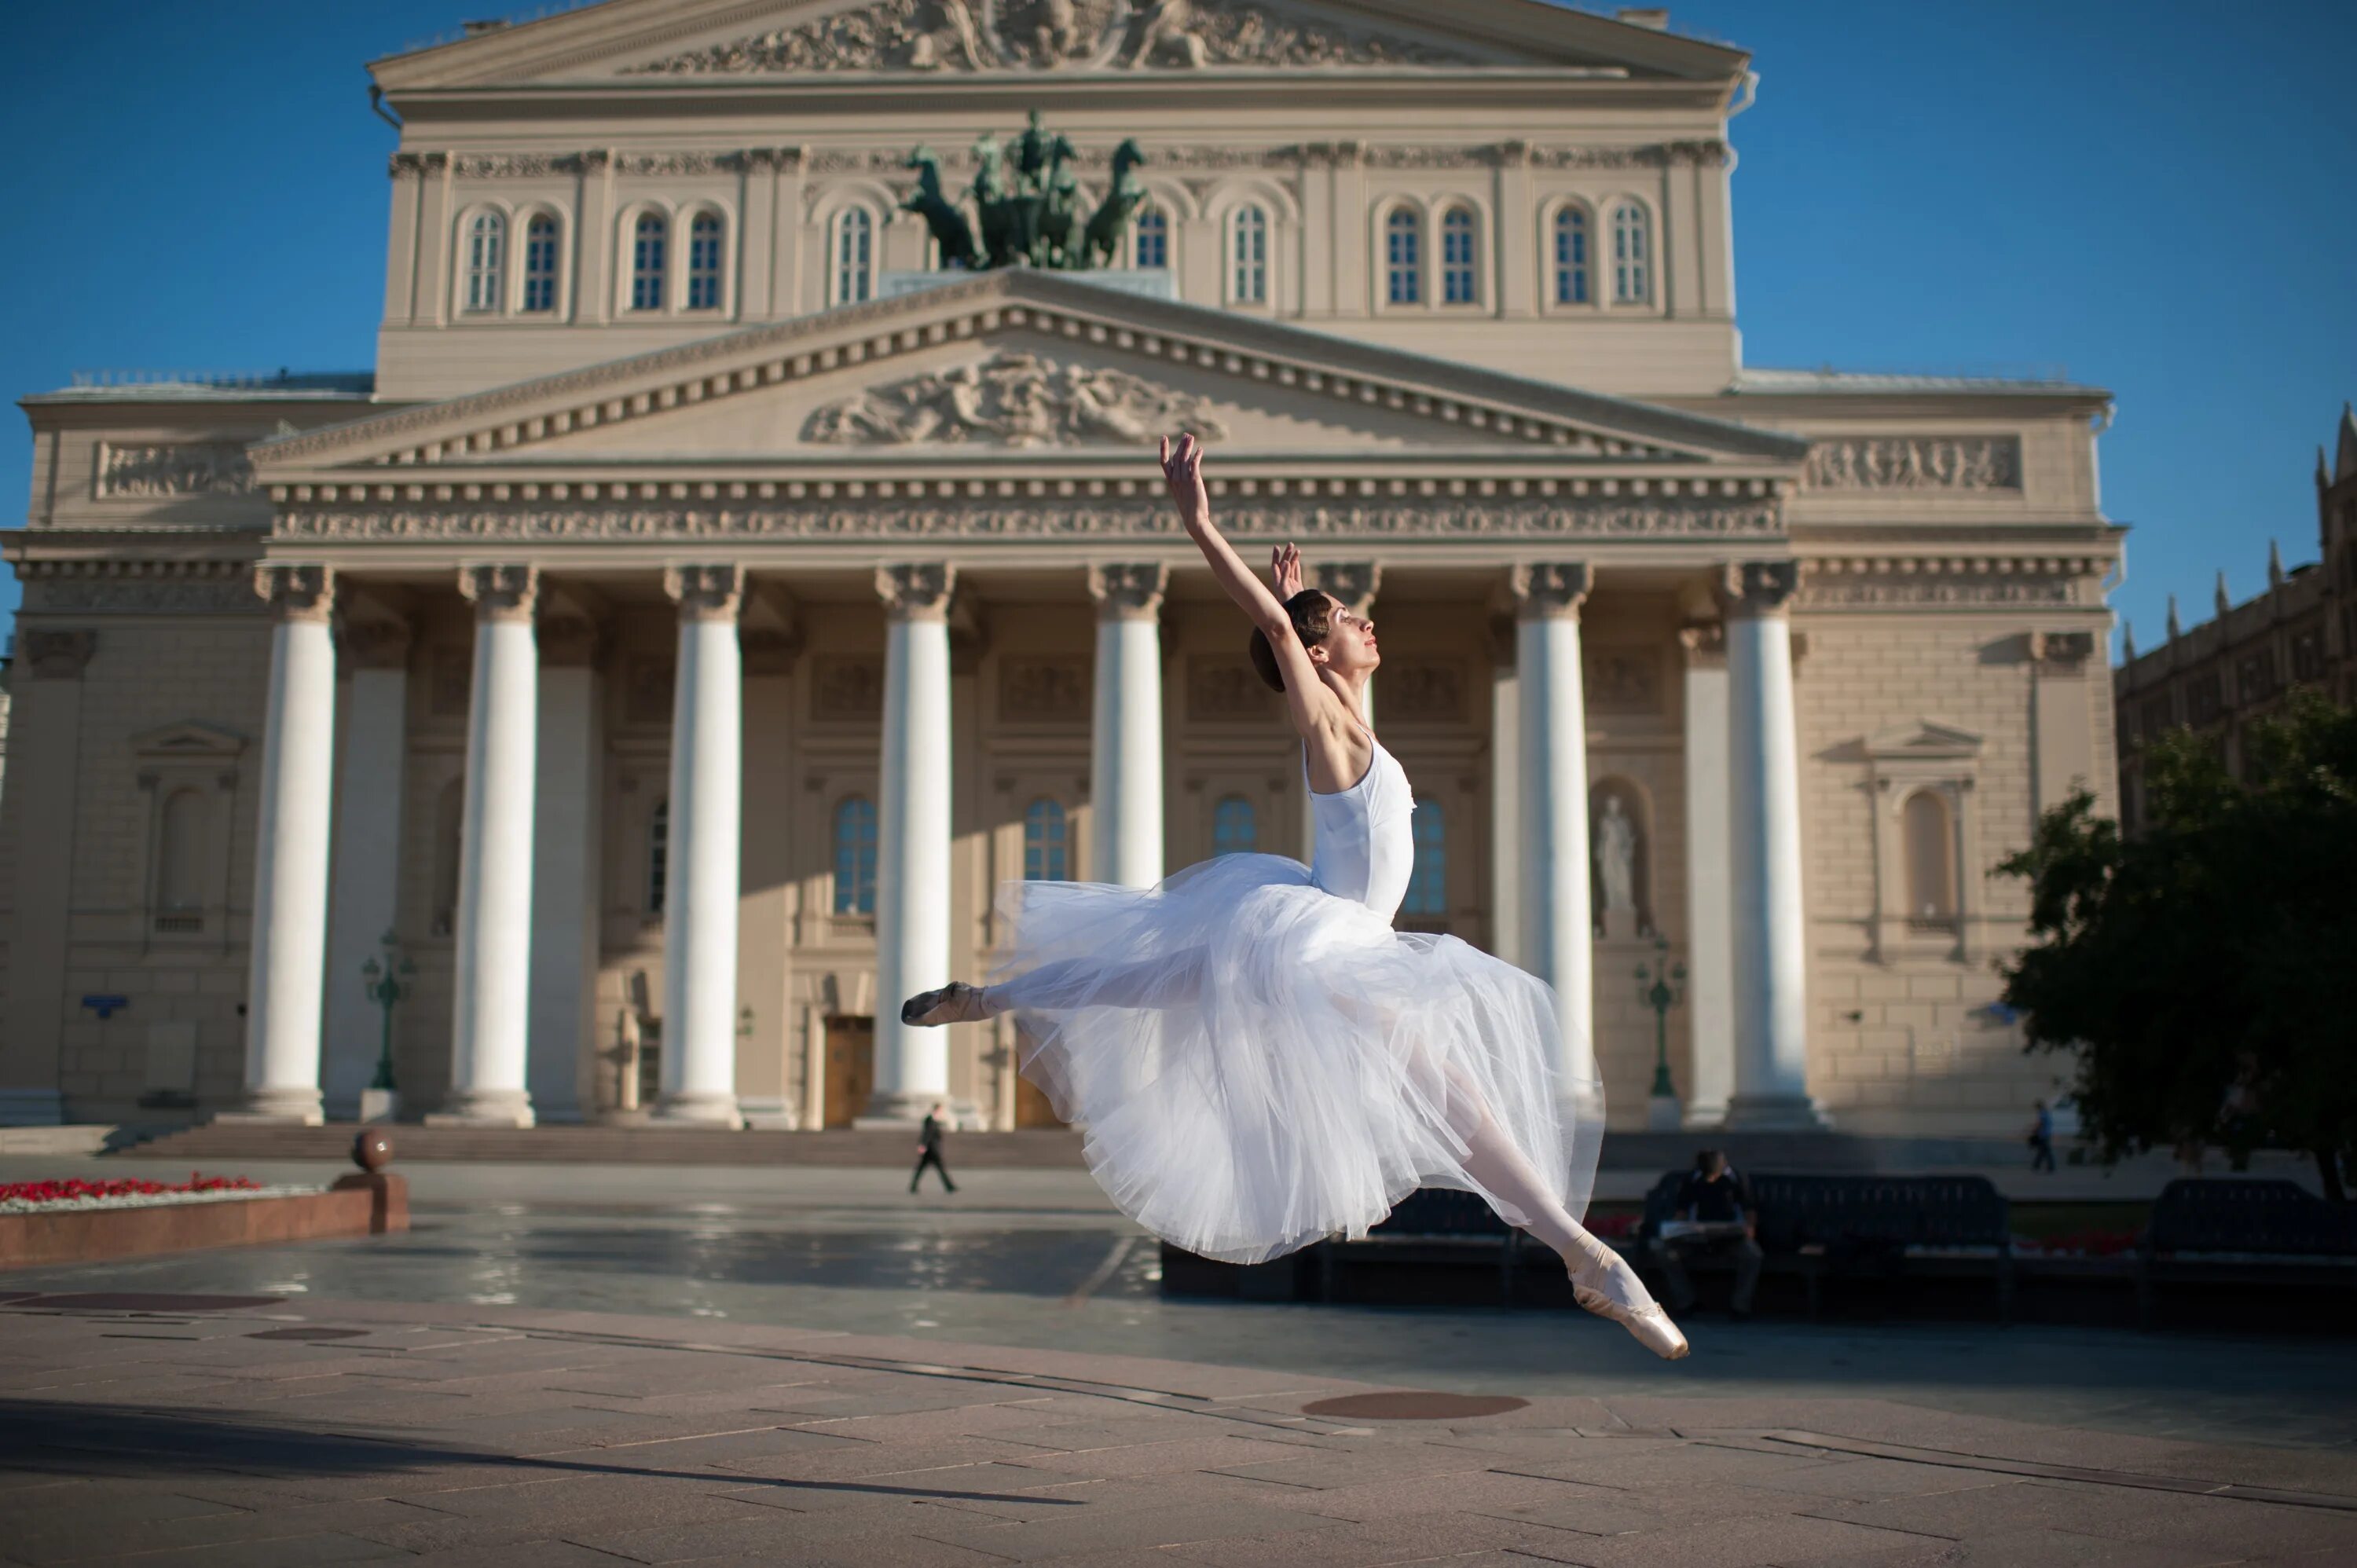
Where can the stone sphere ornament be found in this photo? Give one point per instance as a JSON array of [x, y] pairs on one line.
[[372, 1151]]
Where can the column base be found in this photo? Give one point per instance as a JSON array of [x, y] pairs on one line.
[[769, 1114], [1662, 1114], [1776, 1113], [1701, 1117], [717, 1112], [32, 1108], [379, 1105], [484, 1108], [285, 1107]]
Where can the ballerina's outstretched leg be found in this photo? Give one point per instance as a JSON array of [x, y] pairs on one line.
[[1601, 1279]]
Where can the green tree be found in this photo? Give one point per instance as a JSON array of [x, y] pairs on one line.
[[2205, 971]]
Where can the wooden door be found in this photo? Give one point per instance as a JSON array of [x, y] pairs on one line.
[[850, 1069]]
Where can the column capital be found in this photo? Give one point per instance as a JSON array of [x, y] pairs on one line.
[[1131, 591], [1759, 587], [297, 593], [706, 593], [60, 655], [917, 592], [1549, 590], [1355, 583], [1705, 643], [501, 592]]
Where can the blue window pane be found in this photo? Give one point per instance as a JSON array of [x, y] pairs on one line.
[[855, 857], [1404, 258], [1428, 884], [1457, 253], [540, 265], [1236, 827], [647, 264], [1046, 843], [704, 263], [1153, 238], [1571, 257]]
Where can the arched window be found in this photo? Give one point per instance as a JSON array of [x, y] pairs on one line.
[[180, 857], [1404, 257], [1236, 827], [1153, 246], [540, 263], [855, 857], [855, 248], [1428, 884], [658, 856], [449, 811], [1633, 269], [1931, 861], [1250, 273], [487, 248], [1571, 256], [1046, 843], [704, 261], [650, 241], [1460, 247]]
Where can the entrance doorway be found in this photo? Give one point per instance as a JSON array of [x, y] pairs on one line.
[[850, 1069]]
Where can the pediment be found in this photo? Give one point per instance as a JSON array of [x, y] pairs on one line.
[[1026, 368], [1921, 739], [187, 740], [671, 41]]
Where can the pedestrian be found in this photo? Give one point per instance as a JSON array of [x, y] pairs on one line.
[[1259, 1058], [1713, 1218], [2041, 1139], [928, 1150]]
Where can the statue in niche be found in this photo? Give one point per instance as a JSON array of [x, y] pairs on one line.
[[1616, 849]]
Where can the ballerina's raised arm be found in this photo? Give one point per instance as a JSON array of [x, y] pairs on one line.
[[1325, 718]]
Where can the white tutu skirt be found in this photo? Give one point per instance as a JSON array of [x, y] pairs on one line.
[[1256, 1063]]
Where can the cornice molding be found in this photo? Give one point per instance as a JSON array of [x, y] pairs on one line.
[[1925, 581], [1078, 518]]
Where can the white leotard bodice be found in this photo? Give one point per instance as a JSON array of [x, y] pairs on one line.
[[1365, 847]]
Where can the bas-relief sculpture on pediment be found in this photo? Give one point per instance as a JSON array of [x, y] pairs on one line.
[[1044, 35], [1014, 399]]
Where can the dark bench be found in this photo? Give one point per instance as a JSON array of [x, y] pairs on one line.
[[2239, 1231], [1822, 1227], [1431, 1225]]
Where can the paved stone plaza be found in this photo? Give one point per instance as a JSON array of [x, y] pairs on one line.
[[586, 1365]]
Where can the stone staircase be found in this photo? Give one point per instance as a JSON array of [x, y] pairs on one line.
[[1038, 1149]]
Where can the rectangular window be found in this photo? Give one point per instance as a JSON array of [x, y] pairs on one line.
[[703, 263], [540, 266]]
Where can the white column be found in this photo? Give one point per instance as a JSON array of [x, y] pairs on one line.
[[1557, 934], [566, 859], [1770, 943], [705, 832], [1505, 809], [365, 896], [490, 1016], [290, 869], [913, 860], [1125, 740], [1710, 973]]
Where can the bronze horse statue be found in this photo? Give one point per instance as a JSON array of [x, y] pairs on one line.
[[1101, 239], [950, 232]]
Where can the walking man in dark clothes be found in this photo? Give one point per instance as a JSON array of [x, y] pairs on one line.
[[929, 1144]]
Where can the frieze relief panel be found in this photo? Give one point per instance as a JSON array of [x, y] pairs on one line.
[[184, 468], [1142, 519], [1041, 689], [957, 35], [1219, 687], [1916, 463], [1906, 583], [1622, 681], [139, 587], [1426, 691], [845, 688], [1013, 399]]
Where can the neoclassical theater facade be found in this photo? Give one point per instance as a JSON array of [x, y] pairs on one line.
[[708, 600]]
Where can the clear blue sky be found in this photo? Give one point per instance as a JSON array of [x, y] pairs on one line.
[[2156, 196]]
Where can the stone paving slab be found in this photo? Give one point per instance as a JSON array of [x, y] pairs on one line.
[[511, 1438]]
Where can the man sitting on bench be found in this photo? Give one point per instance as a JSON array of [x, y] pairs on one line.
[[1712, 1217]]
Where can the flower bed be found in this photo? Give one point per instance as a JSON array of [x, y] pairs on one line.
[[74, 1194]]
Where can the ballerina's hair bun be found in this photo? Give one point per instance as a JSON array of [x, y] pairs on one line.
[[1312, 613]]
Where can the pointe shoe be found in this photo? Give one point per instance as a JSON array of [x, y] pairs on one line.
[[1611, 1290], [956, 1003]]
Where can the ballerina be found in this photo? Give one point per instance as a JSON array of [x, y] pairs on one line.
[[1258, 1059]]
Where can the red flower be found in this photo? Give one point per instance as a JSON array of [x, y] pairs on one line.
[[73, 1187]]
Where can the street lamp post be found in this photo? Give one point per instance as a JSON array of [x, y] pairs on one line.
[[386, 982], [1661, 985]]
